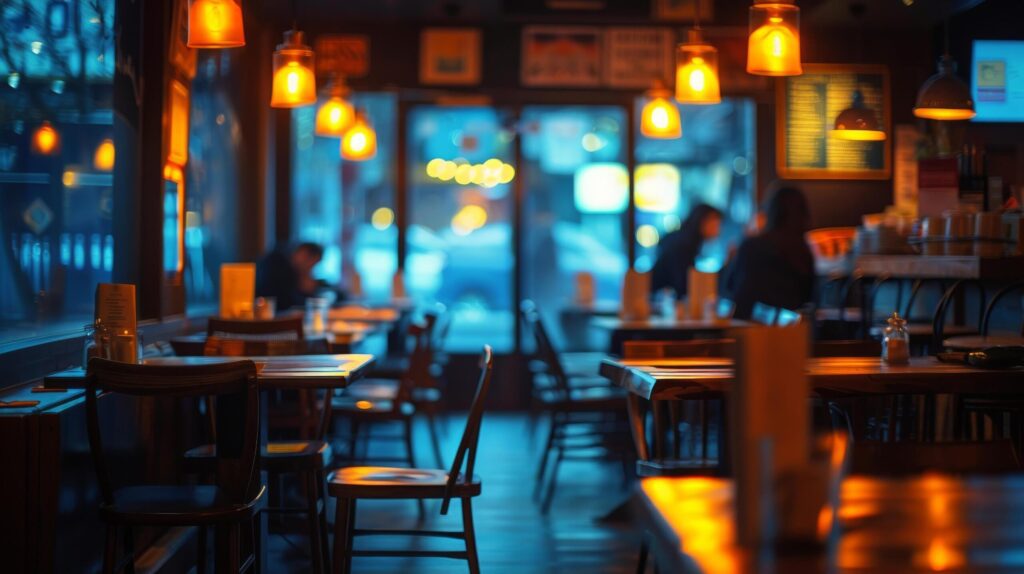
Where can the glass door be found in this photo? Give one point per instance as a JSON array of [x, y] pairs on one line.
[[575, 201], [459, 235]]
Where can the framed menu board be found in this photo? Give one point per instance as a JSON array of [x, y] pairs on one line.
[[807, 106]]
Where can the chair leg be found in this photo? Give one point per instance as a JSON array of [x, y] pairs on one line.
[[553, 483], [467, 526], [544, 455], [110, 550], [435, 441], [407, 435], [344, 530], [201, 551], [228, 548], [641, 561], [313, 518], [325, 543], [129, 551]]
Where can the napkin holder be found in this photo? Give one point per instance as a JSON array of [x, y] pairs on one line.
[[237, 290], [700, 289], [585, 289], [770, 446]]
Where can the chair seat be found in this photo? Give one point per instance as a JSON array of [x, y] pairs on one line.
[[366, 408], [390, 482], [178, 505], [380, 389], [279, 456], [586, 399], [676, 467], [389, 368]]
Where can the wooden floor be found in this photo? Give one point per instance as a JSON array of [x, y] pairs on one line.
[[512, 535]]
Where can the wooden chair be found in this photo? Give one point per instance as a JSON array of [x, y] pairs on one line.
[[237, 495], [422, 373], [585, 421], [280, 327], [307, 459], [373, 406], [351, 484]]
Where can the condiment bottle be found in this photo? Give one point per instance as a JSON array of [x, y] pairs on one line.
[[896, 341]]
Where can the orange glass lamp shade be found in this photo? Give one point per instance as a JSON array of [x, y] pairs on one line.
[[335, 115], [858, 123], [360, 141], [660, 117], [294, 81], [944, 97], [46, 140], [215, 24], [103, 159], [697, 72], [773, 47]]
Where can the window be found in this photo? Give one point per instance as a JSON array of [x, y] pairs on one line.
[[712, 163], [56, 164], [459, 239], [348, 206], [574, 212], [211, 181]]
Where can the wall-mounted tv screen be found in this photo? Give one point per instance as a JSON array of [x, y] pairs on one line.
[[997, 80]]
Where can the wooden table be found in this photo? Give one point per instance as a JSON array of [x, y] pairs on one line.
[[282, 372], [655, 379], [661, 329], [922, 524], [342, 341], [940, 266], [974, 343]]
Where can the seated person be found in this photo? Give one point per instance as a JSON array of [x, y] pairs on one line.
[[774, 267], [286, 273], [678, 251]]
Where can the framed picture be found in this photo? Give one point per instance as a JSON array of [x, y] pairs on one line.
[[561, 56], [676, 10], [450, 56], [345, 54], [806, 108], [181, 56], [637, 56]]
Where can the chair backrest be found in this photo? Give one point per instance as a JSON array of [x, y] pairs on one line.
[[939, 320], [418, 372], [847, 348], [232, 385], [545, 351], [217, 346], [465, 456], [986, 322], [281, 327], [670, 349]]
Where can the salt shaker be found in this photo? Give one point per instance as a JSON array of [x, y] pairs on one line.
[[896, 341]]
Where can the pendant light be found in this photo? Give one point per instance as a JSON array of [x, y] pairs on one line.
[[857, 122], [215, 24], [294, 81], [103, 158], [773, 47], [697, 68], [360, 141], [659, 118], [944, 96], [46, 139], [335, 115]]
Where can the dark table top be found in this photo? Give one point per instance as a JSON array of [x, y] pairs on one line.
[[927, 523], [279, 372], [663, 324], [834, 376]]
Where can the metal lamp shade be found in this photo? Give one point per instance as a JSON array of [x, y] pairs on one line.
[[944, 96]]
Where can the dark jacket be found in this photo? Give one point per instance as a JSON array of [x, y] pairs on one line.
[[678, 251], [275, 277], [770, 270]]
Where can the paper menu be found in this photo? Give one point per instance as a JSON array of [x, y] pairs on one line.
[[636, 291], [700, 287], [585, 290], [115, 307], [237, 290]]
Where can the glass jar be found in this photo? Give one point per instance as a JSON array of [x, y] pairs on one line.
[[896, 341]]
